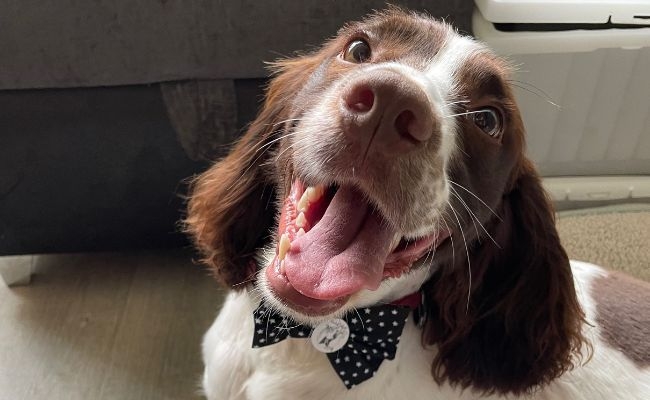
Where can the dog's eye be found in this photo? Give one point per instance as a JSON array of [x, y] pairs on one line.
[[488, 120], [358, 51]]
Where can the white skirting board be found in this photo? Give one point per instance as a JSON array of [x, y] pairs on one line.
[[16, 270], [598, 188]]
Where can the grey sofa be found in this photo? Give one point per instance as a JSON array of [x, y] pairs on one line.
[[107, 107]]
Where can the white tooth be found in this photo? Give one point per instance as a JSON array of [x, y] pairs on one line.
[[315, 193], [300, 232], [303, 203], [281, 269], [301, 221], [284, 246], [396, 240]]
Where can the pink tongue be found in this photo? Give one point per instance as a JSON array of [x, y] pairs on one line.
[[345, 252]]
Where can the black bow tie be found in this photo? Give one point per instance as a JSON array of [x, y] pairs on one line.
[[355, 345]]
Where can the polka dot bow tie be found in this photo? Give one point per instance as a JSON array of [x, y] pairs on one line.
[[355, 345]]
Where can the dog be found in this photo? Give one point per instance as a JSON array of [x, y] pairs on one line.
[[382, 199]]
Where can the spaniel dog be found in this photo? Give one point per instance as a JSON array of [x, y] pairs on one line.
[[386, 237]]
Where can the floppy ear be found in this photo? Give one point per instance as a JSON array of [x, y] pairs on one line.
[[231, 206], [522, 325]]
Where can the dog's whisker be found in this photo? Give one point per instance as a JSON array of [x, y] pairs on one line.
[[455, 194], [469, 263], [266, 331], [456, 102], [360, 319], [246, 170], [538, 92], [291, 146], [265, 147], [285, 121], [267, 137], [254, 162], [474, 217], [250, 278], [432, 252], [463, 113], [276, 140], [476, 197]]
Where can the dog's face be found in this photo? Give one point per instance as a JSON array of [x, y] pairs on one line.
[[392, 111], [388, 137], [389, 160]]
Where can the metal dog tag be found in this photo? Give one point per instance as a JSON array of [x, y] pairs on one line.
[[330, 336]]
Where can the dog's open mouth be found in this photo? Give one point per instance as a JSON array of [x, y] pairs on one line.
[[332, 243]]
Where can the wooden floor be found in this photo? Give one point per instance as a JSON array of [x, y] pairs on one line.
[[106, 326]]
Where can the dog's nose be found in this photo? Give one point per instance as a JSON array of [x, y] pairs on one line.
[[388, 108]]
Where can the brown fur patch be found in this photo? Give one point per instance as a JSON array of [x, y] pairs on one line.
[[623, 312], [521, 327], [393, 35]]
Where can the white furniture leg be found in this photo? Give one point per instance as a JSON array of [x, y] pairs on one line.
[[16, 270]]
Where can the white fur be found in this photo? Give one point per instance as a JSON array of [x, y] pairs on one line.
[[293, 369]]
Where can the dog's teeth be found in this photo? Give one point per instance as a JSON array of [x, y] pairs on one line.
[[395, 241], [315, 193], [281, 268], [303, 203], [284, 246], [300, 232], [301, 221]]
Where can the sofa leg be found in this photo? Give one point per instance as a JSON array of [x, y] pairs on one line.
[[16, 270]]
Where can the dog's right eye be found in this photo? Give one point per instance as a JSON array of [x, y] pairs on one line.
[[358, 51]]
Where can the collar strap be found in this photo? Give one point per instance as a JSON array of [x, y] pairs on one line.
[[413, 300]]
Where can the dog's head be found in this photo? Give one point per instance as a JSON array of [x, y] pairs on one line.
[[390, 159]]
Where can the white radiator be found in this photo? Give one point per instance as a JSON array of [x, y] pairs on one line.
[[584, 93]]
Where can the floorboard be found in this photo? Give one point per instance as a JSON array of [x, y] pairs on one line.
[[106, 326]]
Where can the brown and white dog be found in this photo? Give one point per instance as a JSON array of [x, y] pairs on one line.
[[392, 161]]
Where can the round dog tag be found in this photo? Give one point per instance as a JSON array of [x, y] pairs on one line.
[[330, 336]]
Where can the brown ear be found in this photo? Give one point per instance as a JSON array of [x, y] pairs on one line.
[[522, 326], [228, 214], [231, 206]]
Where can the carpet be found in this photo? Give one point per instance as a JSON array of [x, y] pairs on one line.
[[615, 237]]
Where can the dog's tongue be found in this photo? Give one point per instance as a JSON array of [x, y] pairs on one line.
[[343, 253]]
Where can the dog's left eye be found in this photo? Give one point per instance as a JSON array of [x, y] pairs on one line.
[[489, 121], [358, 51]]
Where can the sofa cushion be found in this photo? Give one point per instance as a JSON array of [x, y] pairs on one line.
[[70, 43]]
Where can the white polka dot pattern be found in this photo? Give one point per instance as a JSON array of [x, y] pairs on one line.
[[374, 336]]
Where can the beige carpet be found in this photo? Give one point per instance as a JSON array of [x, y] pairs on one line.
[[616, 237]]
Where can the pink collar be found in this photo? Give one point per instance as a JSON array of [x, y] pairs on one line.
[[413, 300]]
